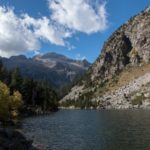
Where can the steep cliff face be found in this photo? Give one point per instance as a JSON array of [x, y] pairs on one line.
[[128, 49], [130, 44]]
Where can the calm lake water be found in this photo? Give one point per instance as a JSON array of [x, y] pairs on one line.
[[90, 130]]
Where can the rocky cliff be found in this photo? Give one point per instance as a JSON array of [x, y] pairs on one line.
[[121, 71]]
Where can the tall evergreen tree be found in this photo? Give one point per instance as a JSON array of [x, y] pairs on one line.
[[16, 80], [34, 93]]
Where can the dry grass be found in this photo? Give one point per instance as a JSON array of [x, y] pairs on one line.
[[129, 74]]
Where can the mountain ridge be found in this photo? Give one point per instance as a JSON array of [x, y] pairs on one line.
[[56, 69], [128, 48]]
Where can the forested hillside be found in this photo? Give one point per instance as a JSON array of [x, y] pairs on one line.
[[35, 94]]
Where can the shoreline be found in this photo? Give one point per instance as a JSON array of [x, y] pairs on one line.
[[129, 108], [12, 136], [14, 139]]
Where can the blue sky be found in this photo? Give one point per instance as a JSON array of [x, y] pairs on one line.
[[74, 39]]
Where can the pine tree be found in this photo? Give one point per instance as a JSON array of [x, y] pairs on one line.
[[16, 80]]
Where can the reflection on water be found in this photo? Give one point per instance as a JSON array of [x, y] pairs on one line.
[[90, 130]]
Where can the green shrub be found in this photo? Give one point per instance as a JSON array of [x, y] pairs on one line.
[[138, 100], [81, 103]]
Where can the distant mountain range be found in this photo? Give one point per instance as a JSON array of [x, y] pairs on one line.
[[56, 69]]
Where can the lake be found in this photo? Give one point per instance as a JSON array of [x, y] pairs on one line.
[[90, 130]]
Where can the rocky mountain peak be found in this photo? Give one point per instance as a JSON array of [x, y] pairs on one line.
[[53, 59], [19, 57], [53, 55], [147, 10], [57, 69], [129, 45]]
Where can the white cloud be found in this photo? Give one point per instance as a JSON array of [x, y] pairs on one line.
[[80, 15], [15, 37], [45, 29], [70, 46], [19, 34], [79, 57], [22, 33]]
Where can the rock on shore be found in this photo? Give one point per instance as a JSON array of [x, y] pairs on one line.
[[11, 139]]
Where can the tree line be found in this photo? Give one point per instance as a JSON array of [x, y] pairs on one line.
[[34, 93]]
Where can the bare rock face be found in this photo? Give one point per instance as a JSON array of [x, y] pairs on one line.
[[130, 44], [128, 47]]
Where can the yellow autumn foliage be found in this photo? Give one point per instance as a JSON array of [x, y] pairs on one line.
[[9, 104]]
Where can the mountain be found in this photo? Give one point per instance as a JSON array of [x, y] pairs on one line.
[[120, 77], [56, 69]]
